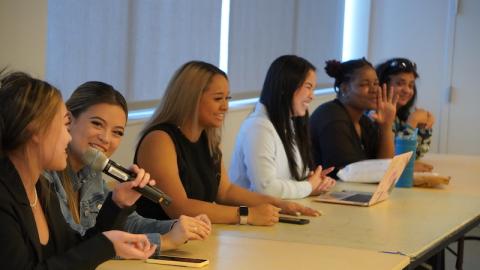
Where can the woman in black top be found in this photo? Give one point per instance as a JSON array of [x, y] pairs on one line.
[[180, 147], [198, 174], [341, 132], [33, 138]]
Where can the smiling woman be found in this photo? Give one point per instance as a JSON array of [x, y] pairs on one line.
[[401, 74], [214, 103], [98, 115], [180, 147], [34, 138], [98, 118], [341, 132], [272, 153]]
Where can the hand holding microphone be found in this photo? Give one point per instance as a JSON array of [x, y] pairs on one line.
[[127, 193], [98, 161]]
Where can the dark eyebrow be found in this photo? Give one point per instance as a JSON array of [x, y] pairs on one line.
[[103, 121], [98, 118], [309, 83]]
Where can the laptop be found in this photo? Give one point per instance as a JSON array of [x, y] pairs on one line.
[[385, 186]]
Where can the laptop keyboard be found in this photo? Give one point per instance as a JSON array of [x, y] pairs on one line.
[[362, 198]]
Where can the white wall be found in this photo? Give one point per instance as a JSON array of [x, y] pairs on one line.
[[415, 30], [23, 32], [462, 112], [24, 22]]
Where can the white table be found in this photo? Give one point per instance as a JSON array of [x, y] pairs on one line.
[[244, 253], [414, 223]]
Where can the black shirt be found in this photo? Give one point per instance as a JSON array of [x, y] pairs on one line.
[[199, 174], [334, 139], [67, 249]]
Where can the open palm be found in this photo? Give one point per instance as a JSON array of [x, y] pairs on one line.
[[386, 106]]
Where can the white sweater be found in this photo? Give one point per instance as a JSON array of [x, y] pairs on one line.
[[259, 161]]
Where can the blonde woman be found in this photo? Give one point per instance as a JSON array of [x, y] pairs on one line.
[[180, 147]]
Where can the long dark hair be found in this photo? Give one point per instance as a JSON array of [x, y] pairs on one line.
[[285, 75], [396, 66], [85, 96], [343, 71]]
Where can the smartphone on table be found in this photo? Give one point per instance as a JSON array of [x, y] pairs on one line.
[[292, 220], [179, 261]]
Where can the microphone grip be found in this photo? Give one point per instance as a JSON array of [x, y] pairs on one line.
[[154, 194], [123, 175]]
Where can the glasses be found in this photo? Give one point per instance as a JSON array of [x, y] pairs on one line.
[[403, 64]]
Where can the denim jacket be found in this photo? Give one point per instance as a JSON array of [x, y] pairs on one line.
[[92, 192]]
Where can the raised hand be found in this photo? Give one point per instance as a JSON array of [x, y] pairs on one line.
[[386, 106], [124, 195], [130, 246]]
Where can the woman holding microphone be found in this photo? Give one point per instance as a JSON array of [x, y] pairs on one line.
[[33, 138]]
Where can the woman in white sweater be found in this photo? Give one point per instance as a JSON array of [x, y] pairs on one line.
[[272, 152]]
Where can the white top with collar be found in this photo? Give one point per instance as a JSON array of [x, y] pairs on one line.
[[259, 161]]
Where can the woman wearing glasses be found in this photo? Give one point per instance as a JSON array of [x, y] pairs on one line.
[[341, 131], [400, 74]]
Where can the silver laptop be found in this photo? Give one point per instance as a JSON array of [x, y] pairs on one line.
[[385, 186]]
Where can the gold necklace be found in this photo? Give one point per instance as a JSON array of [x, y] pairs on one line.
[[32, 205]]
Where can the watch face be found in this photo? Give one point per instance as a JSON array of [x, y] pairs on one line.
[[243, 211]]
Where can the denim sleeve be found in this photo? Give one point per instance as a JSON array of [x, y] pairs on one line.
[[151, 227]]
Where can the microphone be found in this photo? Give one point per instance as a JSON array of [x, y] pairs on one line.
[[98, 161]]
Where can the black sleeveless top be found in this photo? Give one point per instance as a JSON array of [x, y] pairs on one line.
[[49, 249], [199, 174]]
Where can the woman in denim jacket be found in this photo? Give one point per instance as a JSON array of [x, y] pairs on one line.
[[34, 234], [98, 115]]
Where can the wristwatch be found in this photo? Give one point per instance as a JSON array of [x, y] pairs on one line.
[[243, 214]]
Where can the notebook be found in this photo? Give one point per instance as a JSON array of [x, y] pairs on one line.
[[385, 186]]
